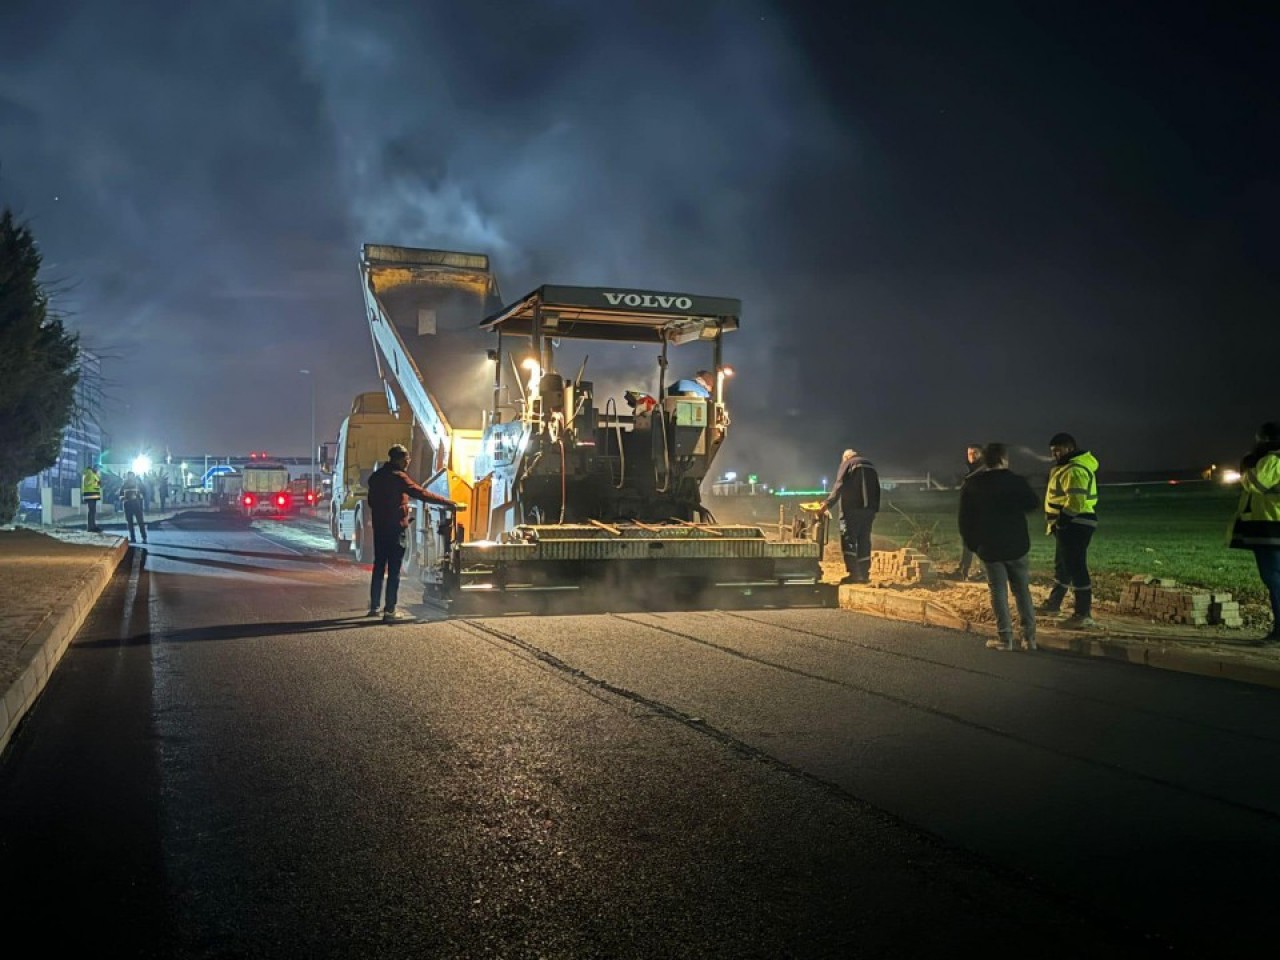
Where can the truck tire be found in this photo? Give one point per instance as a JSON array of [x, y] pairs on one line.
[[340, 546], [410, 555], [362, 544]]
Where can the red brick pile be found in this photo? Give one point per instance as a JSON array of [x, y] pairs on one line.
[[1165, 600], [901, 566]]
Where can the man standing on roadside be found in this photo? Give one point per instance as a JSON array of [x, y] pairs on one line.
[[973, 466], [1071, 513], [857, 489], [91, 495], [131, 500], [390, 488], [993, 524]]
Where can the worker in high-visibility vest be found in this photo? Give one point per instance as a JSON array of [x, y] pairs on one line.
[[1071, 513], [1256, 525], [91, 495]]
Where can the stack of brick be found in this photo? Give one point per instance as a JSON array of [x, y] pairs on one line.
[[1165, 600], [905, 565]]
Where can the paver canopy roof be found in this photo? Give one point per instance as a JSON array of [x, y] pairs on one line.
[[618, 313]]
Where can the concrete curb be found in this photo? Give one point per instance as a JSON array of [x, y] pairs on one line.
[[39, 655], [1143, 651]]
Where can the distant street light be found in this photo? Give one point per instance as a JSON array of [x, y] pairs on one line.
[[141, 464], [311, 479]]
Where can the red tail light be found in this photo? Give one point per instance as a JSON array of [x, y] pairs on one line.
[[248, 500], [311, 497], [281, 499]]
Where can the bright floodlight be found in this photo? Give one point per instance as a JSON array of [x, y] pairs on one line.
[[730, 476], [141, 463], [726, 371], [1230, 476], [535, 373]]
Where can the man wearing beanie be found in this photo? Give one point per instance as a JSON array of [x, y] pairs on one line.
[[857, 490], [1070, 506], [1257, 521]]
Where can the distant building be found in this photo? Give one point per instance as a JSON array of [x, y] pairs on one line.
[[81, 444]]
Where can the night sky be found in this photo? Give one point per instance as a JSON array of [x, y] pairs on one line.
[[947, 222]]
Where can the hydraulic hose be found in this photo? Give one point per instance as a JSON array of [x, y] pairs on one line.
[[612, 404], [563, 482], [666, 457]]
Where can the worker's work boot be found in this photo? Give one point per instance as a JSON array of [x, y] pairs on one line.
[[1054, 602], [1078, 622], [397, 616]]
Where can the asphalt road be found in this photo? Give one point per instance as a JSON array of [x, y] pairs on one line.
[[231, 762]]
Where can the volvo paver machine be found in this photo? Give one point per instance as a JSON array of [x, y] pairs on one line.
[[564, 491]]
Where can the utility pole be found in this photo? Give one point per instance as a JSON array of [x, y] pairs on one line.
[[311, 479]]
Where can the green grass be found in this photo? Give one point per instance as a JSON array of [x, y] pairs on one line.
[[1156, 529]]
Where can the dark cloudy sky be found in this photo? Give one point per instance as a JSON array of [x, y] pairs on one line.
[[947, 221]]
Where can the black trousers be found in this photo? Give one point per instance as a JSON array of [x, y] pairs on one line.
[[1071, 568], [93, 514], [855, 541], [388, 555], [133, 515]]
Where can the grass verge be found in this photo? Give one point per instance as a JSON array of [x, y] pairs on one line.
[[1162, 530]]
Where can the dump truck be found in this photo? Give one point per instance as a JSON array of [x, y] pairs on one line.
[[264, 488], [560, 489], [365, 436]]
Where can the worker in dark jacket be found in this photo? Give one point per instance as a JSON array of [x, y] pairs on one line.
[[857, 490], [993, 524], [132, 500], [390, 489], [973, 465]]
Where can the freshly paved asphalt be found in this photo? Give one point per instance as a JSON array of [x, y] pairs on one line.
[[230, 762]]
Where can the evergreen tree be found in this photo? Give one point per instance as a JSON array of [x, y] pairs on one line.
[[38, 367]]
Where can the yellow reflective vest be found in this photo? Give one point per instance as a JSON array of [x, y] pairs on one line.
[[1257, 519], [90, 485], [1072, 494]]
